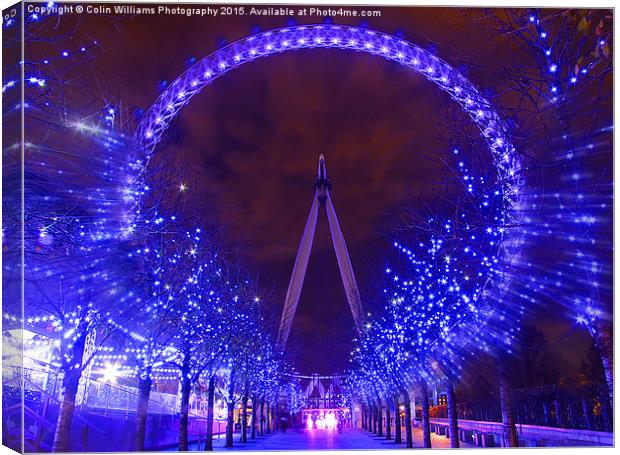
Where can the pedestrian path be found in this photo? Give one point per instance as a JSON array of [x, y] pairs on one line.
[[348, 439]]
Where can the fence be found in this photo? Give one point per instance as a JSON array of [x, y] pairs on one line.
[[583, 407]]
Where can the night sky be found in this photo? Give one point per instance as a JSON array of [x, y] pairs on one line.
[[247, 147]]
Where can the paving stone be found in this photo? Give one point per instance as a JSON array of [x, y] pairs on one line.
[[348, 439]]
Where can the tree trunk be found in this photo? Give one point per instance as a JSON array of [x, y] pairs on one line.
[[268, 417], [375, 418], [142, 409], [509, 428], [585, 408], [231, 410], [452, 415], [426, 424], [363, 416], [546, 413], [379, 418], [186, 388], [70, 383], [262, 416], [62, 437], [609, 376], [388, 421], [607, 413], [210, 413], [604, 345], [408, 429], [603, 342], [230, 423], [558, 412], [254, 414], [244, 418], [398, 431]]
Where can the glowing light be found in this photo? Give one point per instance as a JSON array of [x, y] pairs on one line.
[[110, 373], [330, 421]]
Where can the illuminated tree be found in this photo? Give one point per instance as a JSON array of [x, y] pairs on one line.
[[200, 326], [72, 282], [565, 102]]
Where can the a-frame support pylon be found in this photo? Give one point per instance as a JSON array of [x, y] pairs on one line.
[[321, 198]]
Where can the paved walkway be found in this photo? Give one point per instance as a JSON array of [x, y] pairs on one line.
[[324, 440]]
